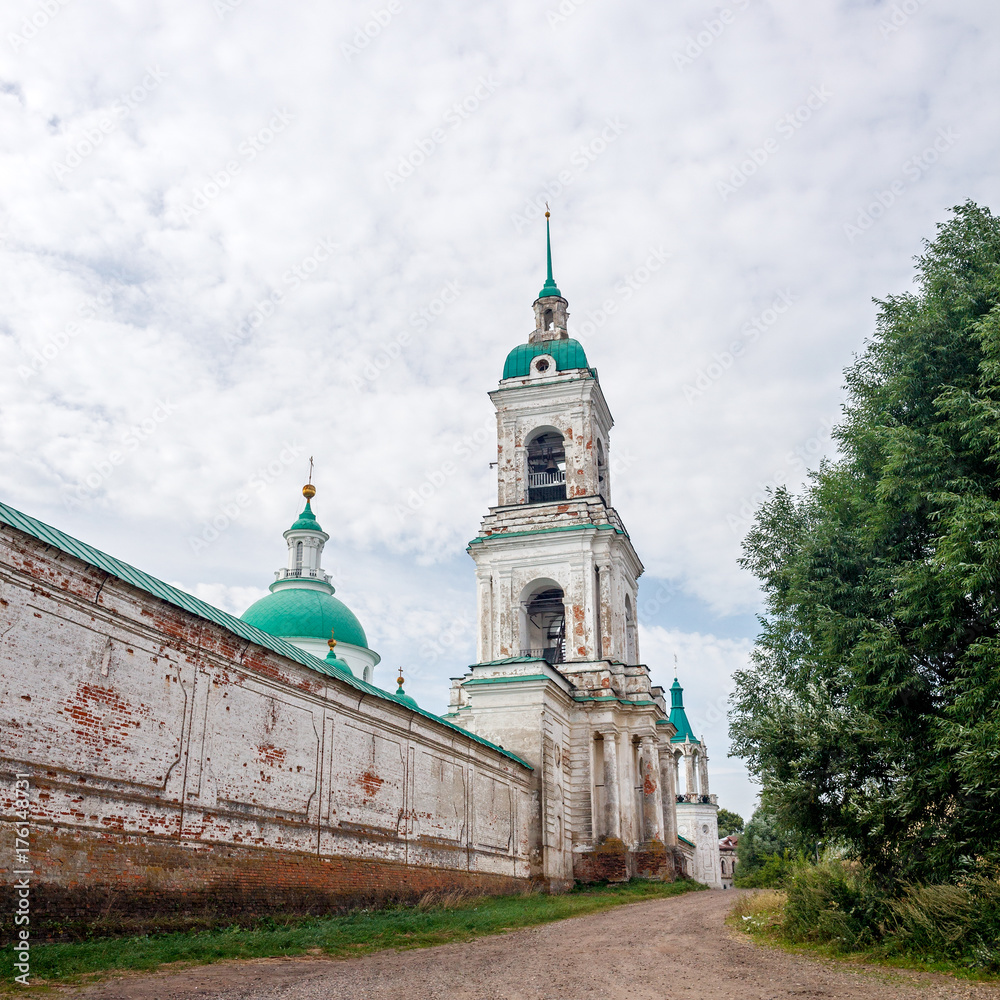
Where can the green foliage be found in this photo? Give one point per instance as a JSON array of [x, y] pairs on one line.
[[763, 839], [729, 823], [871, 709], [772, 871], [839, 904], [434, 920]]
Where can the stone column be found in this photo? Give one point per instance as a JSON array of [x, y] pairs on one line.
[[652, 796], [690, 780], [612, 801], [668, 792], [703, 771]]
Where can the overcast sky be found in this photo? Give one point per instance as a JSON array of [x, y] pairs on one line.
[[237, 234]]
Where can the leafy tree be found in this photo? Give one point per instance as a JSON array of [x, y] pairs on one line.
[[871, 709], [763, 838], [729, 822]]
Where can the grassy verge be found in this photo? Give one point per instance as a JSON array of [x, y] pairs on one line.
[[432, 921], [761, 915]]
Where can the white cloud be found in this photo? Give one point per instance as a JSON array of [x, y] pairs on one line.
[[154, 290]]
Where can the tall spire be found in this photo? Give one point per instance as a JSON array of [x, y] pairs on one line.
[[678, 716], [549, 288]]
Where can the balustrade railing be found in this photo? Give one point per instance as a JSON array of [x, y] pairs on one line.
[[302, 573], [553, 478]]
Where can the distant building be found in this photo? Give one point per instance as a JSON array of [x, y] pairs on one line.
[[727, 859]]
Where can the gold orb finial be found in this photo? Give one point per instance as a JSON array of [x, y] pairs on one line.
[[399, 679], [331, 642], [309, 491]]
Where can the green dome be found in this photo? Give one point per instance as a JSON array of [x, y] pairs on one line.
[[306, 522], [337, 663], [567, 353], [305, 614]]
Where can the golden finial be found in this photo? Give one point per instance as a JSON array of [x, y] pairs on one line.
[[331, 642], [399, 679], [309, 491], [547, 213]]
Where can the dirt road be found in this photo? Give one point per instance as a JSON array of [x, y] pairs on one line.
[[670, 949]]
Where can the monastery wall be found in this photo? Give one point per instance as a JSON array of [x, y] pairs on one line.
[[179, 772]]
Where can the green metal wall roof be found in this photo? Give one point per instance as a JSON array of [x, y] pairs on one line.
[[187, 602]]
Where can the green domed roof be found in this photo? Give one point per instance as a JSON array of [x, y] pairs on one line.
[[305, 614], [306, 521], [337, 663], [567, 353], [402, 696]]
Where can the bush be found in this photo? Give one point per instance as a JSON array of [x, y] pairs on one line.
[[838, 903], [949, 921], [771, 872], [833, 902]]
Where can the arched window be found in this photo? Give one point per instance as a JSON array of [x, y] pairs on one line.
[[298, 558], [602, 471], [546, 467], [544, 632], [547, 320], [631, 650]]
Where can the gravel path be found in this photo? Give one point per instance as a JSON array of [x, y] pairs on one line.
[[669, 949]]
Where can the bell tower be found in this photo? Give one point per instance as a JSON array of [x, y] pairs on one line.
[[557, 574], [558, 677]]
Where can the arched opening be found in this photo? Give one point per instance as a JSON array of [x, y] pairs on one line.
[[631, 650], [367, 674], [602, 471], [544, 630], [298, 559], [546, 467], [547, 320]]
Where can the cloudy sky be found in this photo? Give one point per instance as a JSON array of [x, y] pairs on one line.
[[236, 234]]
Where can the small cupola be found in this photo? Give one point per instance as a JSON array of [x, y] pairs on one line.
[[550, 306]]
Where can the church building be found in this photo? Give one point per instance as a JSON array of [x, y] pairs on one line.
[[184, 761]]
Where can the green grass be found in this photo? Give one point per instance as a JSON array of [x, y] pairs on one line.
[[431, 922], [760, 915]]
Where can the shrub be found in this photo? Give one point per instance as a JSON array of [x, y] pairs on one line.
[[772, 872]]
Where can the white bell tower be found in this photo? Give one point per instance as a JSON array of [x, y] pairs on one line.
[[557, 574], [558, 678]]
